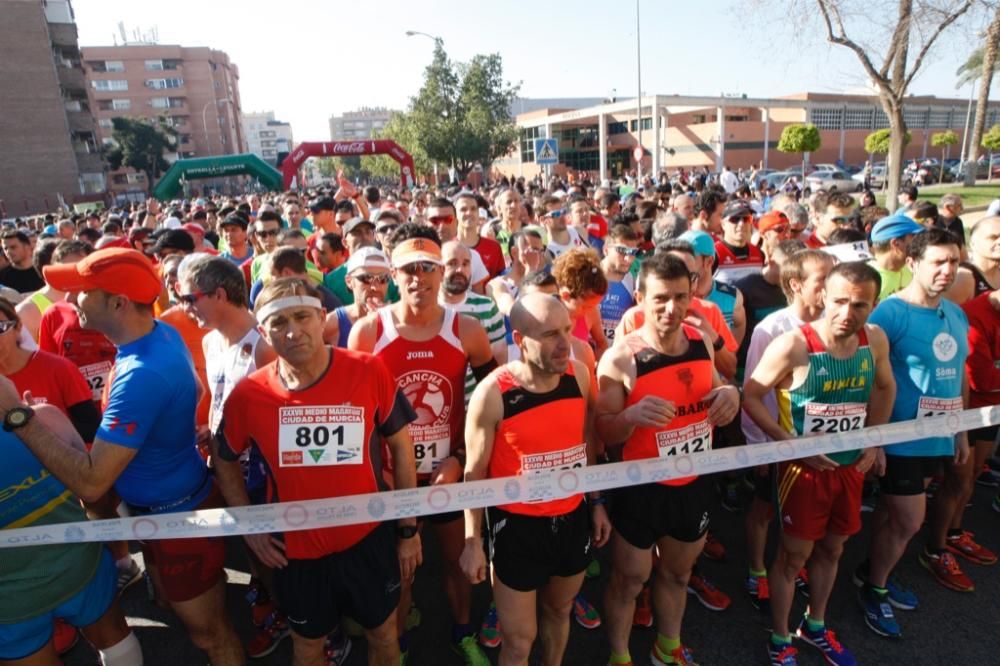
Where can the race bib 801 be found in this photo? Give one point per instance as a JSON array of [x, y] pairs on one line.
[[321, 435]]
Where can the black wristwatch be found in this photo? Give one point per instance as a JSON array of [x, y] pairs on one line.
[[718, 344], [17, 417], [406, 531]]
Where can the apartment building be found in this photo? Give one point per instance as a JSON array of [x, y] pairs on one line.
[[267, 138]]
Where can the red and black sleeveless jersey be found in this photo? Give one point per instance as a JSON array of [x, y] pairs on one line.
[[982, 284], [60, 333], [685, 380], [431, 374], [539, 431]]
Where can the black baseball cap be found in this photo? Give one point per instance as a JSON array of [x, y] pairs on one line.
[[322, 203], [173, 239], [235, 219]]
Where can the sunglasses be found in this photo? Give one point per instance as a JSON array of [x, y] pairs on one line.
[[844, 219], [625, 250], [371, 278], [7, 325], [739, 219], [441, 219], [270, 233], [780, 229], [192, 298], [386, 228], [555, 214], [424, 267]]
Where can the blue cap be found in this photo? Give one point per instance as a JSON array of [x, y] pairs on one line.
[[701, 241], [894, 226], [50, 229]]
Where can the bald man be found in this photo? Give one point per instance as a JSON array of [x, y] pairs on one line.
[[532, 415]]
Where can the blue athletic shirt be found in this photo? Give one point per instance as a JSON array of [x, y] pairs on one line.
[[615, 303], [723, 295], [927, 350], [151, 406]]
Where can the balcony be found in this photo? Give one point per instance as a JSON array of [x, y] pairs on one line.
[[90, 162], [80, 121], [71, 78], [63, 34]]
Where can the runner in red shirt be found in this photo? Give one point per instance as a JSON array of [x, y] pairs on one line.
[[317, 416], [427, 348]]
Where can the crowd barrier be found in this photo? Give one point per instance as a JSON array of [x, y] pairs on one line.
[[546, 485]]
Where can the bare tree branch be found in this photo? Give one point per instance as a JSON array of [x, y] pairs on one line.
[[842, 39], [954, 16]]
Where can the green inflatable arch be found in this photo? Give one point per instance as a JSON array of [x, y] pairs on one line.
[[216, 167]]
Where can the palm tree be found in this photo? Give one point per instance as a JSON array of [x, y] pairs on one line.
[[988, 70], [971, 69]]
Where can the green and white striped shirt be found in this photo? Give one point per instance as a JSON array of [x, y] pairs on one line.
[[485, 310]]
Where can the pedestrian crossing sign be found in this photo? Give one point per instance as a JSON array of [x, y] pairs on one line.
[[546, 151]]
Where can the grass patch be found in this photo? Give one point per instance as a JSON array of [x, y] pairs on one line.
[[977, 195]]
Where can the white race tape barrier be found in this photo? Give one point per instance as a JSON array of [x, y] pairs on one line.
[[551, 484]]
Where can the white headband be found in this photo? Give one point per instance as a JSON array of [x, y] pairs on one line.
[[275, 306]]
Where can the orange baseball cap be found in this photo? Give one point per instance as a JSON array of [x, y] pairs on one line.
[[770, 220], [116, 270], [416, 249]]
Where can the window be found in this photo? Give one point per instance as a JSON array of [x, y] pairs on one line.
[[915, 119], [881, 120], [617, 128], [121, 104], [858, 119], [647, 124], [163, 84], [267, 133], [826, 119], [939, 118], [110, 84], [106, 65], [91, 183], [528, 136], [160, 102], [185, 139], [105, 123], [160, 65], [267, 144]]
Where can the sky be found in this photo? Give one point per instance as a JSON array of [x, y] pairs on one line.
[[309, 59]]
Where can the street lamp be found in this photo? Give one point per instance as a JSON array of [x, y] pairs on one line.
[[437, 40], [204, 119]]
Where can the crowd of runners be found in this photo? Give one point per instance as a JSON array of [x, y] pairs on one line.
[[233, 351]]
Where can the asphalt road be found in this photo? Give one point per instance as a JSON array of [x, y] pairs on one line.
[[947, 628]]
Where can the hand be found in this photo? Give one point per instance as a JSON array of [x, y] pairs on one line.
[[651, 412], [269, 551], [30, 400], [411, 556], [700, 322], [867, 459], [472, 561], [725, 404], [961, 450], [448, 470], [820, 462], [879, 466], [600, 525]]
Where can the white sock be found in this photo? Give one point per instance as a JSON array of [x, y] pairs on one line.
[[126, 652]]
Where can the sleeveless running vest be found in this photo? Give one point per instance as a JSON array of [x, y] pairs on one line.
[[982, 284], [732, 267], [723, 295], [539, 431], [834, 395], [615, 303], [431, 374], [685, 380], [41, 301], [344, 325]]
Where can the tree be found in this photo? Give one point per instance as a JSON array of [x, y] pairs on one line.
[[880, 141], [873, 32], [991, 142], [800, 138], [971, 69], [942, 140], [461, 115], [401, 129], [142, 145], [985, 81]]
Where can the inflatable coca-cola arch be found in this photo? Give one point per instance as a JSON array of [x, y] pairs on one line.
[[304, 151]]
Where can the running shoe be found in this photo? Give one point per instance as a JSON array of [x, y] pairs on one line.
[[261, 612], [900, 596], [782, 655], [987, 478], [826, 642], [471, 653], [869, 497], [337, 648], [129, 575], [944, 567], [714, 550], [64, 637], [585, 614], [802, 582], [964, 545], [489, 630], [643, 615], [878, 613], [760, 592], [593, 569], [710, 596], [268, 636], [681, 656]]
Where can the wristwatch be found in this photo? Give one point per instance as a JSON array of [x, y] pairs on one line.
[[17, 417], [718, 344], [406, 531]]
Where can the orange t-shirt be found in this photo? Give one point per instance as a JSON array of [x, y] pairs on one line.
[[192, 335]]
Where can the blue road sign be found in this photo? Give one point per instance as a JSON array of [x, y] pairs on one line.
[[546, 151]]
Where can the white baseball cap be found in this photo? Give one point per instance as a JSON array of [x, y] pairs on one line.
[[365, 258]]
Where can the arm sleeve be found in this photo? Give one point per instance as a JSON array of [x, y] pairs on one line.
[[75, 388], [85, 418], [130, 414]]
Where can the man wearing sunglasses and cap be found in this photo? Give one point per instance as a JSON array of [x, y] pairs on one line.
[[145, 445], [319, 416], [735, 255], [831, 212], [427, 347], [368, 279]]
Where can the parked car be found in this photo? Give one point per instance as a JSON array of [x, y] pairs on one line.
[[777, 179], [833, 181]]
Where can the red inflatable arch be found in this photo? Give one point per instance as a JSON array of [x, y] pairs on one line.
[[304, 151]]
